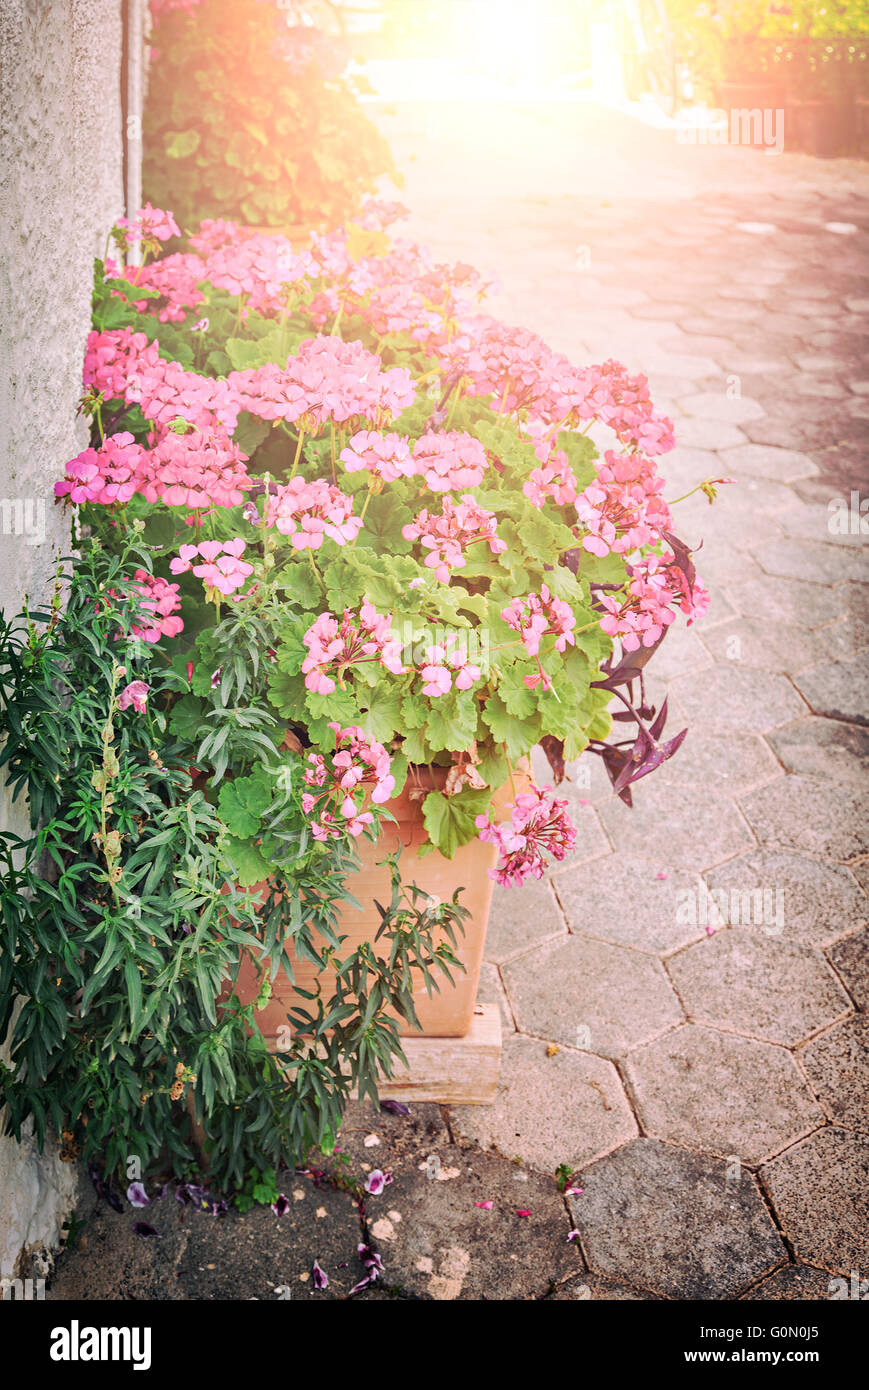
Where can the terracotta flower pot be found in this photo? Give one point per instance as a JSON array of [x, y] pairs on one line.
[[447, 1014]]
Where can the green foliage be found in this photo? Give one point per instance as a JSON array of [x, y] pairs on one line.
[[233, 128], [125, 914]]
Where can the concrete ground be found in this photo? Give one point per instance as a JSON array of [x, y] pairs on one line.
[[703, 1073]]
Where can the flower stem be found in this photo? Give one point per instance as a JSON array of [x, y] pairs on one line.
[[298, 453]]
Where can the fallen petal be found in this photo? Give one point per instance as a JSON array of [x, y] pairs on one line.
[[394, 1107], [143, 1229], [137, 1196]]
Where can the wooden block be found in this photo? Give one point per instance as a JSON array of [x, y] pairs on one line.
[[454, 1071]]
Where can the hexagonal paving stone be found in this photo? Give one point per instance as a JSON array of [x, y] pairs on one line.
[[788, 601], [820, 1191], [850, 959], [591, 842], [589, 994], [674, 1222], [810, 814], [436, 1244], [807, 902], [520, 917], [568, 1108], [782, 648], [729, 1095], [813, 562], [734, 522], [732, 762], [839, 689], [746, 982], [628, 901], [718, 405], [697, 829], [799, 1282], [682, 651], [823, 748], [768, 461], [731, 695], [837, 1064], [700, 433]]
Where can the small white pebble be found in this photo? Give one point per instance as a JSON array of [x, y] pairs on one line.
[[370, 1140], [395, 1216], [321, 1211], [304, 1278], [383, 1229], [298, 1194], [425, 1265]]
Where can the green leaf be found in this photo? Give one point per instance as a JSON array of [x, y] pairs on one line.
[[186, 717], [250, 866], [250, 432], [581, 453], [382, 720], [288, 695], [298, 582], [519, 735], [242, 802], [450, 820]]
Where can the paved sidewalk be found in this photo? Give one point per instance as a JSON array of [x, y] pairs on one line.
[[707, 1078]]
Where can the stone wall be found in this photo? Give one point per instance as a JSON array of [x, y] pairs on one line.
[[67, 100]]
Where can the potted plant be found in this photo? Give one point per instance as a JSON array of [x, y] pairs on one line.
[[385, 504]]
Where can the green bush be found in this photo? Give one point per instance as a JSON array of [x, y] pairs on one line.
[[245, 119]]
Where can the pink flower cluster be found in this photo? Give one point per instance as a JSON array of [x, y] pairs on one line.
[[446, 536], [538, 615], [623, 510], [327, 381], [357, 759], [554, 479], [539, 826], [657, 583], [107, 475], [450, 461], [442, 662], [334, 646], [307, 512], [124, 366], [182, 470], [223, 569], [162, 600], [520, 372], [148, 224], [386, 456]]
